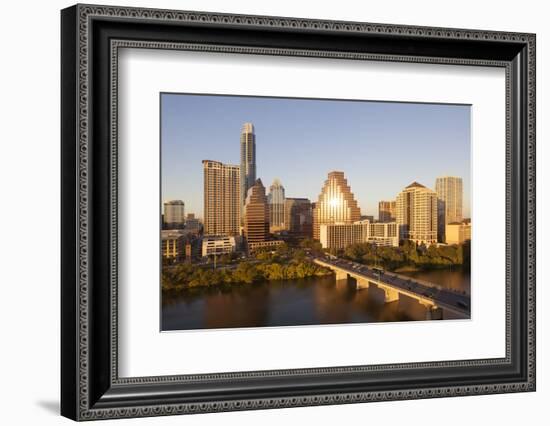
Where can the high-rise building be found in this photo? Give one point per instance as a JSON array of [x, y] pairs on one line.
[[336, 203], [174, 214], [276, 201], [341, 235], [299, 217], [222, 200], [416, 213], [248, 160], [256, 214], [386, 211], [449, 202]]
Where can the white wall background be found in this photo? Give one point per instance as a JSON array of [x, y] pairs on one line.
[[29, 216]]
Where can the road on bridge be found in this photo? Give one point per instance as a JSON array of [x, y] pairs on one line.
[[442, 297]]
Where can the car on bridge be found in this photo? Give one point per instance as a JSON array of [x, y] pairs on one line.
[[462, 304]]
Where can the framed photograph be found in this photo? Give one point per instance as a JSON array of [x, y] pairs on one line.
[[263, 212]]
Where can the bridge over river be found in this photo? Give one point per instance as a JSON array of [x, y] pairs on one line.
[[437, 300]]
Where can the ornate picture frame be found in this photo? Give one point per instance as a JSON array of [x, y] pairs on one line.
[[91, 37]]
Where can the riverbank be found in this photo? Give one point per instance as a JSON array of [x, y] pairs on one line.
[[427, 268], [409, 257], [186, 276]]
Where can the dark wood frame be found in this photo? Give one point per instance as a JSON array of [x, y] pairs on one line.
[[90, 386]]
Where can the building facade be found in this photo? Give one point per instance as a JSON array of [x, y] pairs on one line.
[[174, 214], [173, 245], [335, 204], [256, 214], [217, 245], [416, 214], [384, 234], [449, 202], [276, 201], [299, 217], [386, 211], [342, 235], [222, 199], [248, 160], [264, 245], [458, 233], [193, 224]]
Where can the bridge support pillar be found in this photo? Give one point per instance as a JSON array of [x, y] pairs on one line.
[[363, 284], [390, 295], [341, 275], [433, 312]]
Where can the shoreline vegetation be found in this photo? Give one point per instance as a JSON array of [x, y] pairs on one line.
[[409, 257], [282, 264], [291, 263]]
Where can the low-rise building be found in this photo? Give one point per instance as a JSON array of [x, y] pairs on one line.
[[178, 245], [260, 245], [218, 245], [341, 235], [173, 245], [458, 233], [384, 234]]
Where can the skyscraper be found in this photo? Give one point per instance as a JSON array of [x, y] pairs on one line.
[[256, 214], [276, 201], [449, 202], [248, 160], [336, 203], [416, 213], [386, 211], [299, 217], [174, 214], [222, 201]]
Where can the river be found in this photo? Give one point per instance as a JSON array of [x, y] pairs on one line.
[[456, 279], [318, 300]]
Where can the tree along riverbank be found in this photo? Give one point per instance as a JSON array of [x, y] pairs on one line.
[[409, 257], [283, 264]]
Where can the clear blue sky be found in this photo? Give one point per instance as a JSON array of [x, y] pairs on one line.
[[380, 146]]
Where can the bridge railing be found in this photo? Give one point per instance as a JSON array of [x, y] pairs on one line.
[[406, 278]]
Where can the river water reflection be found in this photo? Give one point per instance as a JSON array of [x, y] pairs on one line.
[[456, 279], [319, 300]]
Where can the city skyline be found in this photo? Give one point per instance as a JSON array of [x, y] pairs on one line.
[[358, 138]]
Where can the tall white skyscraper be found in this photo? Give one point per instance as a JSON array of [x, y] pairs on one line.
[[248, 160], [222, 210], [276, 201], [416, 213], [449, 202]]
